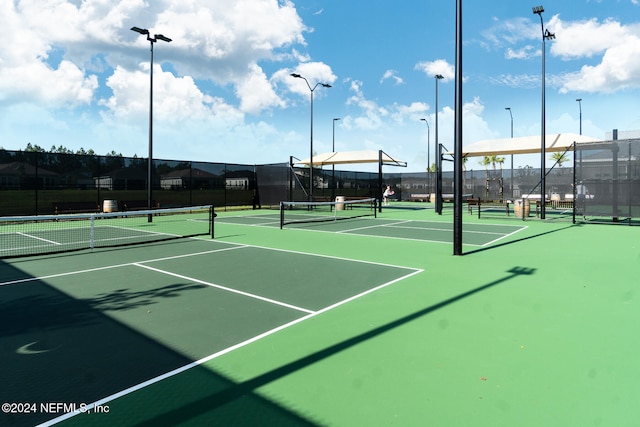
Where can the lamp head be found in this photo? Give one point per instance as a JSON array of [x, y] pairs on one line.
[[161, 37], [325, 85], [549, 35], [537, 10], [336, 119], [439, 76], [296, 75], [142, 31], [579, 99]]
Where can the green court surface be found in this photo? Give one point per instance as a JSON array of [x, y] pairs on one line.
[[356, 322]]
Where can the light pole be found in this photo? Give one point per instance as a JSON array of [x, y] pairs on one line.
[[428, 156], [537, 10], [579, 100], [511, 115], [438, 183], [311, 89], [151, 40], [333, 166]]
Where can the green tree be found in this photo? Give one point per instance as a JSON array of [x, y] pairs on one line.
[[559, 158]]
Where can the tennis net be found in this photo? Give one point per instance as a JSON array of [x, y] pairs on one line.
[[46, 234], [306, 212]]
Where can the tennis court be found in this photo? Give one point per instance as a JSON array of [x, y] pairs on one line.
[[434, 231], [365, 321]]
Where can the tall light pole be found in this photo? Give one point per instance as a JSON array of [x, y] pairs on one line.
[[428, 156], [333, 166], [511, 115], [579, 100], [546, 35], [311, 89], [151, 40], [438, 183]]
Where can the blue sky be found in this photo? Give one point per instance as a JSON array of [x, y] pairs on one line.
[[73, 74]]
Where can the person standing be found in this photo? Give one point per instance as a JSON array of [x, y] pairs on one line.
[[582, 194], [388, 192]]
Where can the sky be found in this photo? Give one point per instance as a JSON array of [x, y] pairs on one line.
[[73, 74]]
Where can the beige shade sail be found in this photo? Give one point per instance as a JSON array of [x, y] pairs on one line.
[[523, 145], [353, 157]]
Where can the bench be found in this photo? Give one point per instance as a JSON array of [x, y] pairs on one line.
[[502, 204], [554, 204], [450, 197], [419, 197], [75, 207]]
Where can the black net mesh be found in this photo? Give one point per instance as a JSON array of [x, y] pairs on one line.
[[609, 173]]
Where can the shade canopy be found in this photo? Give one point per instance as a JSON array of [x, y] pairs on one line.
[[352, 157], [523, 145]]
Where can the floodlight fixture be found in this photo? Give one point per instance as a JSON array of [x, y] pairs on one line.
[[579, 101], [311, 89], [163, 38], [142, 31], [537, 10], [511, 115], [333, 166], [546, 35], [152, 40], [428, 155], [438, 207]]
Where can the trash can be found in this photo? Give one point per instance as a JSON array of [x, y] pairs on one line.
[[110, 206], [521, 207], [339, 203]]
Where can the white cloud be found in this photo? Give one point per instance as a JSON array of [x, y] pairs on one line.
[[314, 73], [439, 66], [372, 114], [211, 41], [412, 112], [616, 45], [524, 52], [392, 74], [606, 52], [176, 99]]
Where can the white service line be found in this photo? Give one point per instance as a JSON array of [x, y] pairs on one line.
[[109, 267], [38, 238], [224, 288], [373, 226]]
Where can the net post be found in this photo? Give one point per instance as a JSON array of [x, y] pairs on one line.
[[92, 232], [212, 215], [281, 215], [375, 207]]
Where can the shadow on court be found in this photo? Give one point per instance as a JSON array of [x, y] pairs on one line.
[[56, 349], [516, 241], [221, 400]]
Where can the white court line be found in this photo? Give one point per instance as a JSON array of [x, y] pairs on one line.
[[224, 288], [184, 368], [109, 267], [373, 226], [38, 238], [197, 363], [505, 236]]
